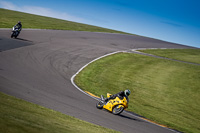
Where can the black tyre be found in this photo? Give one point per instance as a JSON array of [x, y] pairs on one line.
[[117, 110], [100, 104]]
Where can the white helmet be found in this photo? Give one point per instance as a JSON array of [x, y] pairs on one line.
[[127, 92]]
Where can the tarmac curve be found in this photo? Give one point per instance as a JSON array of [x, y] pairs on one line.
[[38, 67]]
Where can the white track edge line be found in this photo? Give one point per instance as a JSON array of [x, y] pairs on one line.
[[72, 81], [72, 78]]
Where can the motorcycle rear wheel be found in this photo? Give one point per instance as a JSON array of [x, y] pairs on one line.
[[116, 110], [100, 104]]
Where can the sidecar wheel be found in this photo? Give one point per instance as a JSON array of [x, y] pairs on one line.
[[117, 110], [100, 104]]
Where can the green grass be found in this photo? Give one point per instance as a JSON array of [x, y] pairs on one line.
[[189, 55], [9, 18], [164, 91], [19, 116]]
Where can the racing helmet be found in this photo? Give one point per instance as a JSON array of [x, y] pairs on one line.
[[127, 92], [19, 22]]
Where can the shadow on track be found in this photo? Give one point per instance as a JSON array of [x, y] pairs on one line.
[[130, 118], [11, 43], [23, 39]]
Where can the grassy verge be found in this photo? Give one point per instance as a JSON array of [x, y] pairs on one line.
[[19, 116], [164, 91], [189, 55], [9, 18]]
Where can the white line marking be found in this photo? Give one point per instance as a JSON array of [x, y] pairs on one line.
[[72, 81], [72, 78]]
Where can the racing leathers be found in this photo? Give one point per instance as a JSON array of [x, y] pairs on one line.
[[18, 26], [121, 95]]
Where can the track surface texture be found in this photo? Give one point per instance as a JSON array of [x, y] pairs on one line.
[[38, 66]]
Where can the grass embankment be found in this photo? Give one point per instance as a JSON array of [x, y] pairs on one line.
[[188, 55], [19, 116], [162, 90], [9, 18]]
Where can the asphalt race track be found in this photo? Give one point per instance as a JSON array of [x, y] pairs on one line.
[[38, 66]]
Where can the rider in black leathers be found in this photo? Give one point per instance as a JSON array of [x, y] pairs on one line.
[[18, 26], [121, 95]]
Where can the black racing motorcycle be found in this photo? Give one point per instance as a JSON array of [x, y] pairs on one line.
[[15, 32]]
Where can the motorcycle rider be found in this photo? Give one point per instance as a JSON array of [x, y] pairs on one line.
[[18, 26], [121, 95]]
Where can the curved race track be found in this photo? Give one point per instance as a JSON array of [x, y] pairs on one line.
[[38, 67]]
